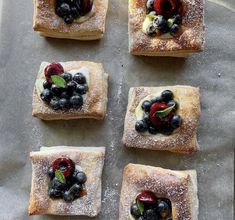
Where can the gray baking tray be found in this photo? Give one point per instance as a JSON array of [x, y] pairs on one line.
[[21, 52]]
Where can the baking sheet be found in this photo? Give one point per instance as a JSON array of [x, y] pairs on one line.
[[21, 52]]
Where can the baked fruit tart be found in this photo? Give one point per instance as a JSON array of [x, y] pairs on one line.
[[66, 181], [72, 19], [162, 118], [154, 193], [70, 90], [166, 27]]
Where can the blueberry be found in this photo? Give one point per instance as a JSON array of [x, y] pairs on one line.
[[50, 173], [177, 19], [167, 129], [54, 103], [152, 130], [79, 78], [149, 5], [46, 85], [65, 95], [150, 214], [146, 105], [141, 126], [151, 30], [68, 19], [159, 22], [54, 193], [76, 189], [167, 95], [163, 209], [174, 28], [68, 196], [156, 99], [146, 118], [173, 102], [64, 9], [46, 95], [81, 89], [176, 121], [56, 184], [135, 210], [71, 86], [80, 177], [64, 104], [76, 101], [56, 89], [67, 77], [75, 12]]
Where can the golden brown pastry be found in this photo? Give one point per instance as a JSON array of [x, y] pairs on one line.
[[90, 26], [94, 101], [177, 187], [88, 159], [175, 132], [189, 36]]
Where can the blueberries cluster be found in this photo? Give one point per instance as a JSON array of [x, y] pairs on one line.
[[161, 210], [70, 10], [69, 190], [65, 98], [166, 125]]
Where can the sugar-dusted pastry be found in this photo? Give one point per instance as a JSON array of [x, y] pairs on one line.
[[70, 90], [66, 181], [72, 19], [162, 118], [156, 193], [166, 27]]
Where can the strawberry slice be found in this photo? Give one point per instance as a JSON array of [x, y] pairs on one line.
[[166, 8], [147, 197], [154, 108], [65, 165], [53, 69]]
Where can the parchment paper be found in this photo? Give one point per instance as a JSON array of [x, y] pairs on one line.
[[21, 52]]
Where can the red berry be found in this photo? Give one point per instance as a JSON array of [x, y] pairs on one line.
[[147, 197], [154, 108], [53, 69], [65, 165], [166, 8]]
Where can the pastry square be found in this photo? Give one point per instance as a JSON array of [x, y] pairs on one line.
[[88, 27], [89, 159], [180, 187], [190, 38], [183, 139], [94, 102]]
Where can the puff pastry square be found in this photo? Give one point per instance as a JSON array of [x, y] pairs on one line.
[[191, 39], [48, 24], [95, 103], [180, 187], [183, 139], [90, 159]]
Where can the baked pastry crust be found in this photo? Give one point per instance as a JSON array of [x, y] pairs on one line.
[[95, 103], [48, 24], [183, 139], [191, 39], [180, 187], [90, 159]]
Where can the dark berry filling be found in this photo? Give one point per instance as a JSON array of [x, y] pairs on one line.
[[165, 17], [159, 115], [65, 181], [62, 91], [70, 10], [148, 207]]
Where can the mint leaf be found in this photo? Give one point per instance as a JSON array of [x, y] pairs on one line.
[[165, 112], [59, 81], [60, 176], [140, 207]]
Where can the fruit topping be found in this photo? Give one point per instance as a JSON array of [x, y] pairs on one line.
[[165, 8], [70, 10], [148, 207], [61, 90], [65, 181], [53, 69], [159, 115]]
